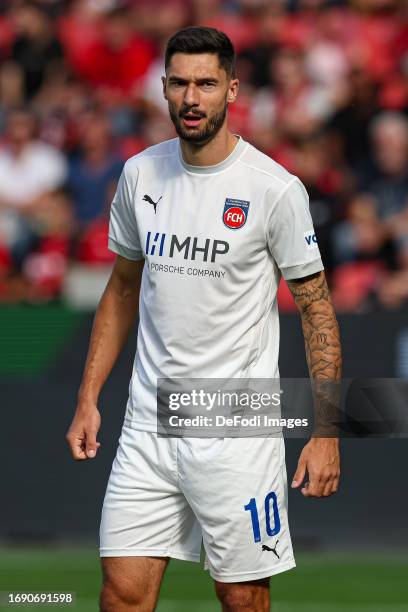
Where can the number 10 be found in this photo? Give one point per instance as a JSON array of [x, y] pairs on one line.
[[251, 506]]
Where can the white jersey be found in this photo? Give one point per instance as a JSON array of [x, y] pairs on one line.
[[216, 240]]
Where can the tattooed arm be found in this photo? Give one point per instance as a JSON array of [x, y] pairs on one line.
[[320, 457], [320, 328]]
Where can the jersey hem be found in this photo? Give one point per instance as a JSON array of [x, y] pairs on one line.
[[150, 428], [119, 249], [303, 269], [140, 426]]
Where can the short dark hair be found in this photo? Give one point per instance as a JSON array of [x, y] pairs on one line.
[[198, 39]]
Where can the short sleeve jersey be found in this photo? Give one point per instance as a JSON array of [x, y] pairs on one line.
[[216, 240]]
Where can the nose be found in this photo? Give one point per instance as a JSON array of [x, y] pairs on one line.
[[191, 97]]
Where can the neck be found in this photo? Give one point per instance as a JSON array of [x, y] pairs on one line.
[[210, 153]]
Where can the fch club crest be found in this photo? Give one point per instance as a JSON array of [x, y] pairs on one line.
[[235, 213]]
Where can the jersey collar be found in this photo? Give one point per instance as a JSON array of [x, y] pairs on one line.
[[225, 163]]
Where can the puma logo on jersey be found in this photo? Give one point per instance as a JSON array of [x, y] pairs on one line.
[[149, 200], [265, 547]]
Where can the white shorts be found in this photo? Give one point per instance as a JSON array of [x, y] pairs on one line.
[[166, 495]]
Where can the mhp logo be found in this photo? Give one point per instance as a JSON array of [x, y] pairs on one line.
[[311, 240], [235, 213], [155, 240], [189, 247]]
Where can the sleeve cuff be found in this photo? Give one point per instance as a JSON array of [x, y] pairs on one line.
[[302, 270], [119, 249]]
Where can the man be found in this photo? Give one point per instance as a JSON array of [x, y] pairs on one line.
[[211, 222], [32, 173]]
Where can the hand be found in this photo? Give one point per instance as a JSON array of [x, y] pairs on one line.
[[321, 458], [81, 436]]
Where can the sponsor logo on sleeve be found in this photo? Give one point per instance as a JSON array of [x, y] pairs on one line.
[[235, 213], [310, 240]]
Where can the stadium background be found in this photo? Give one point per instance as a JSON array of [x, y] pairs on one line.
[[324, 91]]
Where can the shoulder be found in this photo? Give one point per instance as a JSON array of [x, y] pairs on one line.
[[151, 157], [273, 175], [279, 187]]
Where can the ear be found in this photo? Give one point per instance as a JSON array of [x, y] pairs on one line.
[[233, 90], [164, 87]]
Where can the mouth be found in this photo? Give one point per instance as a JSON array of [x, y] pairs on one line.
[[191, 120]]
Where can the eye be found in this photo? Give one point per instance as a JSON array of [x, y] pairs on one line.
[[177, 83], [208, 85]]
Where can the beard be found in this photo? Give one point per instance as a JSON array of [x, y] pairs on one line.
[[206, 133]]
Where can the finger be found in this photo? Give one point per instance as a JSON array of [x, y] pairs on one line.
[[77, 447], [328, 489], [335, 485], [305, 489], [91, 444], [79, 454], [315, 487], [331, 482], [299, 474]]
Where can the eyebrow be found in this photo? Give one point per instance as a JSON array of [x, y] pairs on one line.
[[174, 78]]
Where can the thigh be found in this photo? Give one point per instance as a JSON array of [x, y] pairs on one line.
[[131, 581], [238, 490]]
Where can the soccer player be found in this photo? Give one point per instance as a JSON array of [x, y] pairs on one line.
[[203, 226]]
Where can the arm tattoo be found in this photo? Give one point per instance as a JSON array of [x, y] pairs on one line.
[[322, 343]]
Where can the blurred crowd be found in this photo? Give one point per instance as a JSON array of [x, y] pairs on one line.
[[324, 91]]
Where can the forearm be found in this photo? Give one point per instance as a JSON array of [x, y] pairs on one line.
[[323, 349], [322, 340], [114, 319]]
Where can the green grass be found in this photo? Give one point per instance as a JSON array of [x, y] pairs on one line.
[[320, 583], [32, 337]]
